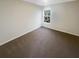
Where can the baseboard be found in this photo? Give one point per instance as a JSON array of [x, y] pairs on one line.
[[19, 35], [62, 31]]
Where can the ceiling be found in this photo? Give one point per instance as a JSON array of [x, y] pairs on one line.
[[47, 2]]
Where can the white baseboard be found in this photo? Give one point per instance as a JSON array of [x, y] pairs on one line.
[[19, 35], [62, 31]]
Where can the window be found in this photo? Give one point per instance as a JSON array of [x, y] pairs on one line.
[[47, 14]]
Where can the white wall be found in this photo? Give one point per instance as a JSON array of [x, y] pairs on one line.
[[65, 17], [17, 18]]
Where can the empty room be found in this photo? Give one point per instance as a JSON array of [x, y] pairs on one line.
[[39, 28]]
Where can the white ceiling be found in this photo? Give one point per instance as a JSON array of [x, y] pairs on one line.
[[47, 2]]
